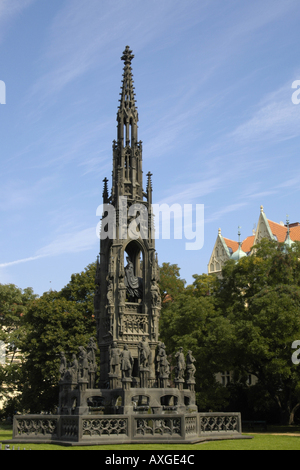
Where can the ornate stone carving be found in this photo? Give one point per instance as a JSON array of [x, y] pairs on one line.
[[181, 366], [133, 284], [211, 424], [73, 369], [83, 364], [63, 365], [92, 365], [105, 426], [115, 359], [37, 427], [144, 353], [135, 324], [69, 428], [155, 295], [162, 367], [190, 368], [110, 294], [159, 427], [126, 362]]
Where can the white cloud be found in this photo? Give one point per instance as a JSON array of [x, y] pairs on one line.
[[9, 10], [224, 211], [70, 243], [84, 35], [19, 261], [187, 193], [5, 278], [66, 243], [276, 119], [17, 193]]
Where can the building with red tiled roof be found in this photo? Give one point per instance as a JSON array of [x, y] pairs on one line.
[[226, 249]]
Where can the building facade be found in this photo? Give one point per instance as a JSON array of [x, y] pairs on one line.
[[226, 249]]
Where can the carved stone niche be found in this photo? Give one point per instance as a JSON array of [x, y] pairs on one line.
[[134, 275]]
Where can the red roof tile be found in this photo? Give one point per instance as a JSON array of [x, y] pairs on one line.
[[278, 230], [295, 233], [231, 244], [248, 243]]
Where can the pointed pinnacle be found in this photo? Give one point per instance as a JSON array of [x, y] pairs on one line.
[[127, 56]]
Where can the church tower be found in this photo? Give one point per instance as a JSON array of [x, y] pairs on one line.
[[127, 300]]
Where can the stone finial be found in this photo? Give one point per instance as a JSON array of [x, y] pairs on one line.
[[105, 190], [127, 56], [149, 181]]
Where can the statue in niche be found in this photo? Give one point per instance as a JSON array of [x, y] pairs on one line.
[[121, 265], [181, 366], [154, 266], [63, 365], [73, 369], [110, 295], [144, 353], [110, 310], [111, 266], [91, 357], [163, 365], [83, 363], [155, 295], [122, 293], [114, 361], [134, 285], [126, 362], [190, 368]]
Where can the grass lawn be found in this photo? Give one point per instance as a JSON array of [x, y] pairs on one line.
[[262, 441]]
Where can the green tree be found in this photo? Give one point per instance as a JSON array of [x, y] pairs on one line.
[[81, 289], [260, 295], [13, 306], [170, 283], [57, 321], [193, 322]]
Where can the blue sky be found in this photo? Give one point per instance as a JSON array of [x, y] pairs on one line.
[[213, 84]]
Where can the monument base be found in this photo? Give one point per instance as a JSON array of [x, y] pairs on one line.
[[130, 429], [134, 415]]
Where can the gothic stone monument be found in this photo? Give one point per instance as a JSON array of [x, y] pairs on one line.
[[133, 400]]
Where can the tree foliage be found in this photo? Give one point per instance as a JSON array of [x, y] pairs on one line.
[[260, 296], [245, 323], [192, 321], [54, 324], [13, 307]]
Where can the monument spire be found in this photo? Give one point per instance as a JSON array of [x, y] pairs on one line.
[[127, 101], [127, 151], [134, 367]]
